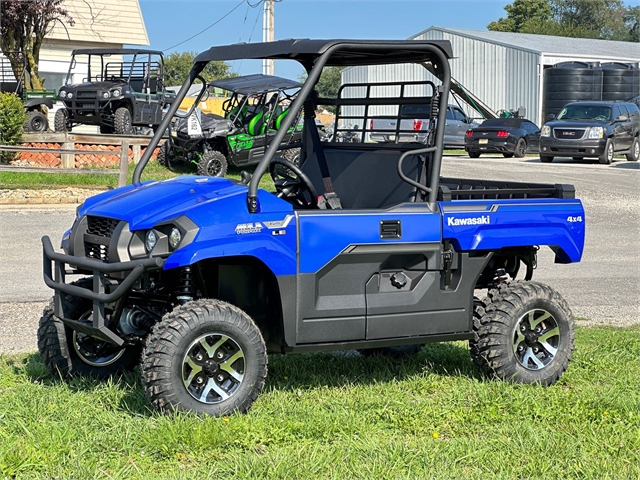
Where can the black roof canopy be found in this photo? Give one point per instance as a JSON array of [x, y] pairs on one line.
[[114, 51], [257, 83], [354, 52]]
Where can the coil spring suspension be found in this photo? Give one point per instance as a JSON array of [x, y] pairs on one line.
[[184, 292]]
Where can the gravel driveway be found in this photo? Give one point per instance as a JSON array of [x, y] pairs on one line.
[[602, 289]]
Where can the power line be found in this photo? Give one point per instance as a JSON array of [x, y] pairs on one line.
[[212, 25]]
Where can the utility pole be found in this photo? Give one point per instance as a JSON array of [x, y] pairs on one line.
[[267, 33]]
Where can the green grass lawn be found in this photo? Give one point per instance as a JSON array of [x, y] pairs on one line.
[[337, 416], [153, 171]]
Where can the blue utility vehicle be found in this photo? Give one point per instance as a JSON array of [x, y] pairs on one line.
[[362, 246]]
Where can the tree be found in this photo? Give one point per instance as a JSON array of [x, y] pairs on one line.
[[604, 19], [178, 65], [328, 84], [23, 26]]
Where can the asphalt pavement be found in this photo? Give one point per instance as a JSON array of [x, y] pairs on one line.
[[604, 288]]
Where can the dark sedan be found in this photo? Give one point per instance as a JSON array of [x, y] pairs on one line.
[[508, 136]]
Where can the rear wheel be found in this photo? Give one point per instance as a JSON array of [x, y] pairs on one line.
[[213, 164], [524, 333], [207, 357], [36, 121], [122, 122], [577, 158], [634, 153], [607, 157], [60, 121], [108, 129], [546, 159], [163, 157], [473, 154], [507, 155], [521, 148], [68, 353]]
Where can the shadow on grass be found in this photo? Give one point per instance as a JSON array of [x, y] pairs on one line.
[[286, 373]]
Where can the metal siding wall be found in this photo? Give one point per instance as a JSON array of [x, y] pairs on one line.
[[522, 87]]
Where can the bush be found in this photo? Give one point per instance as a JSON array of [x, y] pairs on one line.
[[12, 118]]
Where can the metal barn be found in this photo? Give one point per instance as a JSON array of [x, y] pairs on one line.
[[504, 70]]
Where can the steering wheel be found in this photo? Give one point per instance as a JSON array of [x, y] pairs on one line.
[[601, 118], [292, 184]]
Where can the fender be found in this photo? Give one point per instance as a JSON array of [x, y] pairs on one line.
[[559, 224], [35, 102], [275, 255]]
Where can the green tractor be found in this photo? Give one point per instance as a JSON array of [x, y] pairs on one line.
[[251, 118], [35, 101]]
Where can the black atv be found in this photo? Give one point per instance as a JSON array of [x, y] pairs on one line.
[[121, 90], [252, 115]]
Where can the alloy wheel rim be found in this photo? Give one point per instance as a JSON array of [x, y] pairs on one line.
[[213, 368], [214, 167], [536, 338], [102, 353], [610, 152], [636, 152]]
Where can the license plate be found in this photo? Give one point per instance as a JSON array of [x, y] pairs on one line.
[[483, 140]]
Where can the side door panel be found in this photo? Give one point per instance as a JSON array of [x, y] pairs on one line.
[[344, 266]]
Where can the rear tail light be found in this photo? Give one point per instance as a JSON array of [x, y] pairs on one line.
[[417, 125], [502, 134], [469, 134], [371, 124]]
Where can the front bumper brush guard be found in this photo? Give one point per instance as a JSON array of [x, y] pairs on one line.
[[97, 327]]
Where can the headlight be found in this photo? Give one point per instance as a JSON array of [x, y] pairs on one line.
[[150, 240], [62, 94], [596, 132], [545, 132], [70, 95], [116, 93], [106, 94], [174, 238]]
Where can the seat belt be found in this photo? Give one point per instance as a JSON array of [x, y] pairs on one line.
[[329, 200]]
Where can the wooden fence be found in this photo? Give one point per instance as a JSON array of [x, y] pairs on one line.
[[68, 151]]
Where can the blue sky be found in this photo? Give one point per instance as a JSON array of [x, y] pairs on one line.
[[171, 22]]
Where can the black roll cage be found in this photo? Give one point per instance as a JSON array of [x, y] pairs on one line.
[[352, 52]]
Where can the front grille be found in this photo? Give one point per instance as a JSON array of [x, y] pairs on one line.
[[87, 94], [101, 226], [98, 248], [569, 133]]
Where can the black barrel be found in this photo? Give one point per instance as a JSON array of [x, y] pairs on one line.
[[620, 81], [570, 82]]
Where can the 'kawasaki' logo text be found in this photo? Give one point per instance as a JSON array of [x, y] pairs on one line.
[[456, 222]]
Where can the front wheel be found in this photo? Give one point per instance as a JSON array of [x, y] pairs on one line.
[[473, 154], [213, 164], [164, 155], [524, 333], [207, 357], [67, 353], [634, 152], [607, 157], [122, 122], [60, 121], [546, 159]]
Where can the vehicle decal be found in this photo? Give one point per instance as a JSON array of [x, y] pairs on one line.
[[243, 228], [278, 224], [456, 222]]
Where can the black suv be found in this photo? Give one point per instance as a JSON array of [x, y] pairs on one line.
[[119, 89], [592, 129]]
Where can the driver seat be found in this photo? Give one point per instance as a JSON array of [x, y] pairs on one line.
[[366, 179]]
